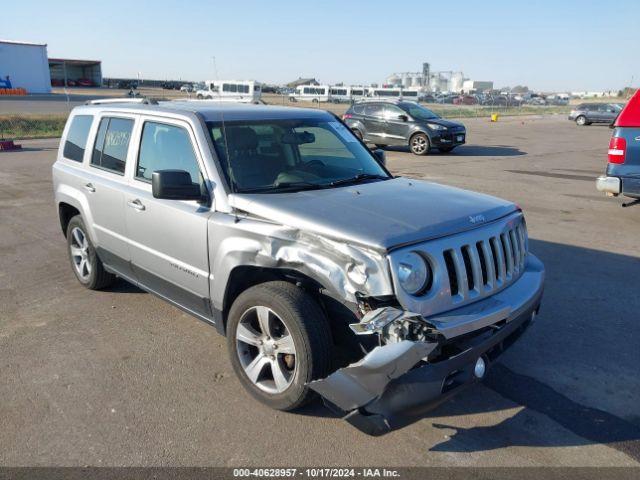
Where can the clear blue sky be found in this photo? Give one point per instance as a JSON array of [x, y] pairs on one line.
[[547, 45]]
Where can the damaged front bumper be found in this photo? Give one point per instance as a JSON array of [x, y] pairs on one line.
[[397, 383]]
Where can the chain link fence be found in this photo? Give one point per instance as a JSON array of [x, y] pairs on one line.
[[33, 118]]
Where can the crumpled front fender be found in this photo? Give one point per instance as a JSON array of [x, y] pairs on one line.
[[346, 271]]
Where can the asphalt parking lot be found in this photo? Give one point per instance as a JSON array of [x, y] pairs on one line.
[[119, 377]]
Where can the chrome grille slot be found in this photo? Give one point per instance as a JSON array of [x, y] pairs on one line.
[[471, 265]]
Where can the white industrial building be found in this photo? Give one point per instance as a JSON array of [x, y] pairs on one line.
[[476, 86], [26, 65]]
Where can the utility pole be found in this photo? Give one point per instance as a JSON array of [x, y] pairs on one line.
[[215, 69]]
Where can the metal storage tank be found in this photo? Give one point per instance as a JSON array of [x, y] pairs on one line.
[[457, 78], [26, 65], [394, 79]]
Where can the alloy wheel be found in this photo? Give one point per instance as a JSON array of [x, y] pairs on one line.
[[266, 350], [419, 144], [79, 248]]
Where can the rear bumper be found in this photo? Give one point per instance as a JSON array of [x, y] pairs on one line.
[[627, 186], [609, 185], [393, 385]]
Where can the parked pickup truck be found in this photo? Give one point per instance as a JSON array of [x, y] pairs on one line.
[[622, 176], [328, 275]]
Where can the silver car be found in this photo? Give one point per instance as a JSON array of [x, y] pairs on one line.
[[328, 275]]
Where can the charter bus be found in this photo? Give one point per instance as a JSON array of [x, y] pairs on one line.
[[241, 91], [311, 93], [385, 92]]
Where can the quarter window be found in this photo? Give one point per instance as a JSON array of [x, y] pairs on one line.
[[166, 147], [77, 137], [112, 144]]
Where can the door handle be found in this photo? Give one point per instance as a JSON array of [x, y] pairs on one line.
[[89, 187], [137, 204]]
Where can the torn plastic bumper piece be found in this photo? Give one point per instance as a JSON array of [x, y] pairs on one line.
[[388, 389]]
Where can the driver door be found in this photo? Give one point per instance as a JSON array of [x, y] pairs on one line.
[[168, 238]]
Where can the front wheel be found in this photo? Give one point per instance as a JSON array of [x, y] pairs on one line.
[[279, 340], [581, 121], [419, 144]]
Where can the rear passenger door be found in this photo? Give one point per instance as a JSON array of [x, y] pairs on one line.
[[397, 129], [374, 123], [104, 187], [168, 238]]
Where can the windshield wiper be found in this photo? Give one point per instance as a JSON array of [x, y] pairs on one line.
[[359, 177], [284, 187]]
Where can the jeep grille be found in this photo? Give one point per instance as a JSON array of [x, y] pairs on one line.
[[468, 266]]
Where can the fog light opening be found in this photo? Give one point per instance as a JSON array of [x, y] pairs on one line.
[[480, 368]]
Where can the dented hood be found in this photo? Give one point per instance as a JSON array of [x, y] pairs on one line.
[[381, 215]]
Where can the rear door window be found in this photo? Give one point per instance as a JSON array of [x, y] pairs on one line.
[[76, 140], [373, 110], [112, 144]]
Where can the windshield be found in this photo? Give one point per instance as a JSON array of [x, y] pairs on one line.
[[420, 113], [291, 155]]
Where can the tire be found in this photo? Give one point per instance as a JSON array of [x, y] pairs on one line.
[[199, 96], [419, 144], [357, 133], [307, 331], [315, 100], [581, 121], [85, 263], [446, 149]]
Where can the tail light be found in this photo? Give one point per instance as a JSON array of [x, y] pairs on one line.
[[617, 149], [346, 115]]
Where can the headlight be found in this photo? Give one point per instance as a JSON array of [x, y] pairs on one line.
[[413, 273], [435, 126]]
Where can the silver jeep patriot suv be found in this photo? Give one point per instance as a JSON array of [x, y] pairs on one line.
[[328, 275]]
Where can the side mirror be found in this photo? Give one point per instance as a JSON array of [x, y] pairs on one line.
[[403, 117], [174, 185], [380, 156]]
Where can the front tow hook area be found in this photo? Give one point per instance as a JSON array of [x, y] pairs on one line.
[[349, 389], [394, 385]]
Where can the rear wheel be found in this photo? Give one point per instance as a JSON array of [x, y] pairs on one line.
[[279, 340], [419, 144], [84, 261], [581, 120]]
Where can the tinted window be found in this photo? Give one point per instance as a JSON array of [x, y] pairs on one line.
[[373, 110], [112, 144], [77, 137], [391, 111], [357, 92], [166, 147]]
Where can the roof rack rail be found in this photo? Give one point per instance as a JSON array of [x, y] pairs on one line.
[[142, 101], [381, 99]]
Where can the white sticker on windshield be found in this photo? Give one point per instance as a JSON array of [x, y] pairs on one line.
[[343, 131]]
